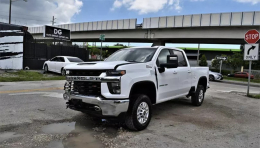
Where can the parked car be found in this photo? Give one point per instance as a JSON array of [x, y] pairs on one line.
[[131, 80], [213, 76], [231, 75], [243, 75], [58, 63]]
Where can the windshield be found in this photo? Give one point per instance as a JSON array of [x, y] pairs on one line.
[[133, 55], [75, 60]]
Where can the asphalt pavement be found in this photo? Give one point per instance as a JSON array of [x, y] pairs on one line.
[[33, 114]]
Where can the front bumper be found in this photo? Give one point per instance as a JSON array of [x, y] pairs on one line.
[[95, 105], [218, 77]]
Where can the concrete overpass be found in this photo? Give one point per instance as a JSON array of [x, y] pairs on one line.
[[215, 28]]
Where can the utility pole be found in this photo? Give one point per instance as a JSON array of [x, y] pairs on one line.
[[53, 20], [10, 11], [198, 57]]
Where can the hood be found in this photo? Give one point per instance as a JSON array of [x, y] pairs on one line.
[[214, 73], [95, 65]]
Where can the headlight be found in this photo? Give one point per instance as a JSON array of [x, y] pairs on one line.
[[116, 72], [67, 86], [114, 87]]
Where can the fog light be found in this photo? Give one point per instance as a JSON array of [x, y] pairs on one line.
[[66, 96]]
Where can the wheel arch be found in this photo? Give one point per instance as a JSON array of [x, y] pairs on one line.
[[144, 87], [203, 81]]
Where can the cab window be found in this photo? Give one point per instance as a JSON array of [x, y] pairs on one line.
[[54, 59], [181, 58], [162, 58]]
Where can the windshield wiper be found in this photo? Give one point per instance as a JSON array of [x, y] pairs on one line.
[[132, 61]]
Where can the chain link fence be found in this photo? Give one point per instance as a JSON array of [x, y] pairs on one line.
[[256, 73]]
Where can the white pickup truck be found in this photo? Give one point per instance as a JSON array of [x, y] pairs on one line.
[[131, 80]]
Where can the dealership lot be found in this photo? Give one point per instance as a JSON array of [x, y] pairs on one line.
[[33, 114]]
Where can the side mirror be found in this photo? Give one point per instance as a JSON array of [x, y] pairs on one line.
[[172, 62]]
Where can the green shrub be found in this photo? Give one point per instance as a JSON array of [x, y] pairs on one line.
[[203, 61]]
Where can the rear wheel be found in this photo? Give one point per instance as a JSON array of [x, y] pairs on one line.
[[140, 113], [198, 98], [211, 78]]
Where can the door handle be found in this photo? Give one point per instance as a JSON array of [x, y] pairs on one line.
[[174, 72], [189, 71]]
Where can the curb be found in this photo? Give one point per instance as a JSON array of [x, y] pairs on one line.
[[240, 83]]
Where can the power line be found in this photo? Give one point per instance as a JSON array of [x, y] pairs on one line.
[[16, 14], [26, 18]]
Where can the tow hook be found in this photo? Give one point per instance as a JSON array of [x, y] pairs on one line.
[[97, 108], [67, 106]]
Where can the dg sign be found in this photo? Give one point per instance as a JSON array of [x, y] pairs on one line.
[[251, 52], [57, 33]]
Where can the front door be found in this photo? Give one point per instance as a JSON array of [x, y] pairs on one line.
[[59, 64], [52, 64], [167, 80]]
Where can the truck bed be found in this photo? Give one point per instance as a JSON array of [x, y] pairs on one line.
[[198, 72]]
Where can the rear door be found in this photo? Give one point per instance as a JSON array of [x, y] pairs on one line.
[[168, 80], [183, 72]]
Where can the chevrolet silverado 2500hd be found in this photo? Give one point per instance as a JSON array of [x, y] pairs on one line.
[[131, 80]]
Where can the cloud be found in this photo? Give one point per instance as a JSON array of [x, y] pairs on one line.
[[249, 1], [40, 12], [147, 6]]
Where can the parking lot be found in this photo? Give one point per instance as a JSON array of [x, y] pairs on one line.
[[33, 114]]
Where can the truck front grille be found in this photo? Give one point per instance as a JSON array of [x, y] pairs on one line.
[[86, 72], [87, 88]]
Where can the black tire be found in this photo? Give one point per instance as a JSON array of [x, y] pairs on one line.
[[211, 78], [63, 72], [46, 68], [131, 120], [195, 99]]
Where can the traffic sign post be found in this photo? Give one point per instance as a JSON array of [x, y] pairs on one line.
[[251, 52], [101, 38], [221, 61]]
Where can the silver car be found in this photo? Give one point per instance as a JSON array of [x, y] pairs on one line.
[[213, 76]]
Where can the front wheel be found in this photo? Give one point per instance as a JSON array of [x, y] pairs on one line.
[[198, 98], [45, 68], [211, 78], [140, 113], [63, 72]]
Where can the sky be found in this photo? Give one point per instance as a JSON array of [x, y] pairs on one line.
[[40, 12]]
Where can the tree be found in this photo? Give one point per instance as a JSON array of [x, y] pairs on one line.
[[94, 51], [235, 61], [203, 61], [215, 63]]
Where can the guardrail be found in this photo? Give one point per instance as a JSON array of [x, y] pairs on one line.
[[202, 20]]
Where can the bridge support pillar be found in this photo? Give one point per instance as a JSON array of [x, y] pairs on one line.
[[158, 43]]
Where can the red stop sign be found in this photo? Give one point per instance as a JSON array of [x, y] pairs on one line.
[[252, 36]]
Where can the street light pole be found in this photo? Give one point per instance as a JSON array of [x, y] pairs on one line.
[[10, 10]]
